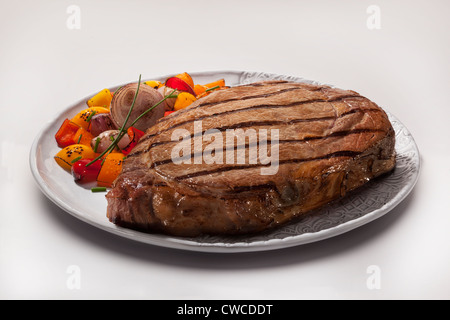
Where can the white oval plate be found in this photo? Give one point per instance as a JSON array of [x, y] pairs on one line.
[[363, 206]]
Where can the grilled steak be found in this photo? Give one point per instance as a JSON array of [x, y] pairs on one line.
[[322, 143]]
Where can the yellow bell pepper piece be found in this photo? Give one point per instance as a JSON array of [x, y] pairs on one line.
[[184, 99], [66, 156], [83, 118], [101, 99], [154, 84]]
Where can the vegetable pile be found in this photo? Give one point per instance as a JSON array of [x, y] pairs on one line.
[[95, 142]]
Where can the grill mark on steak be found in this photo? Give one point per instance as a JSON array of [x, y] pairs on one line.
[[344, 153], [208, 104], [160, 184], [240, 189], [308, 86], [261, 106], [254, 123], [234, 126], [260, 84], [265, 106], [246, 145], [264, 95]]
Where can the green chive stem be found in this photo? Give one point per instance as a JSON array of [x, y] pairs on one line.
[[118, 89], [97, 142], [76, 159], [98, 189], [91, 115], [213, 88], [104, 159], [151, 108]]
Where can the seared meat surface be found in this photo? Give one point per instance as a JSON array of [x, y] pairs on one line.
[[189, 175]]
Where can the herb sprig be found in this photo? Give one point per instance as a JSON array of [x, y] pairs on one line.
[[98, 189], [213, 88]]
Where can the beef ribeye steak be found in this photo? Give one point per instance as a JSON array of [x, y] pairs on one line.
[[322, 142]]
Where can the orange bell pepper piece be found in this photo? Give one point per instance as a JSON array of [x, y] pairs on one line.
[[111, 168], [199, 89], [220, 83], [82, 136], [204, 90], [204, 94], [186, 77]]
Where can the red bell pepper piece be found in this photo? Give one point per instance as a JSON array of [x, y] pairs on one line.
[[179, 84], [66, 133], [81, 173], [135, 135], [167, 113]]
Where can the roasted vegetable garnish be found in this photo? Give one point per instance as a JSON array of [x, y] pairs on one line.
[[96, 141]]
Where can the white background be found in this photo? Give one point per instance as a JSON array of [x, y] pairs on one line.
[[45, 66]]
